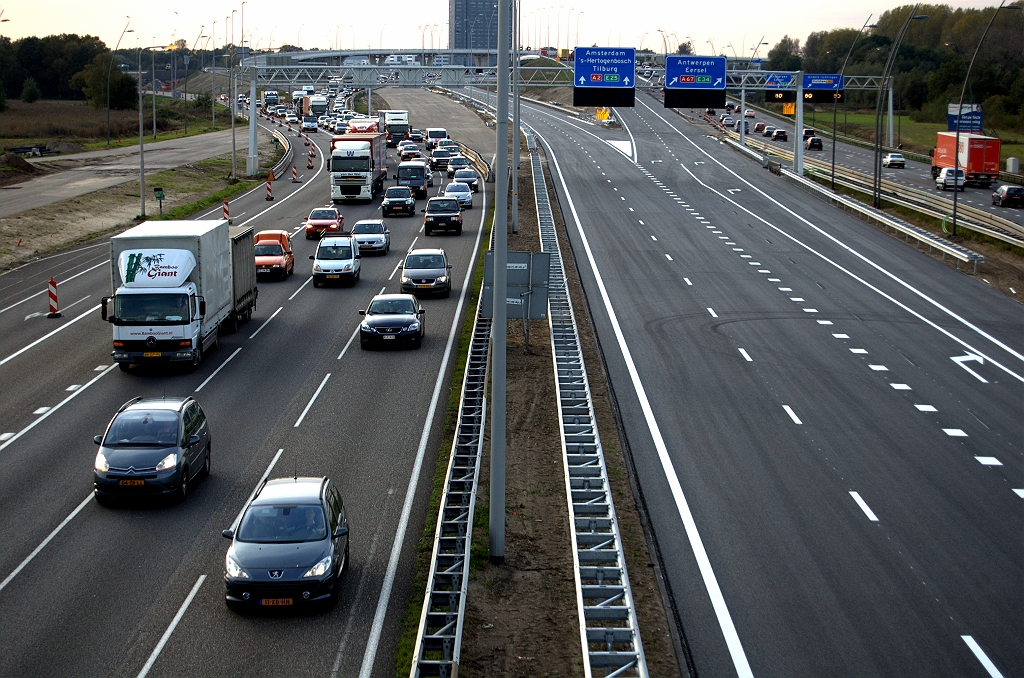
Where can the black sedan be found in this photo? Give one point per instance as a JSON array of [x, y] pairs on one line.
[[151, 447], [469, 177], [398, 200], [392, 320], [289, 547], [1008, 196]]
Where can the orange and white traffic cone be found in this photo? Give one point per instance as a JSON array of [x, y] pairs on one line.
[[309, 160], [305, 140], [295, 174], [52, 292]]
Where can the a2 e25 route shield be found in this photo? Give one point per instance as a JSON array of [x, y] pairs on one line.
[[604, 76], [694, 81]]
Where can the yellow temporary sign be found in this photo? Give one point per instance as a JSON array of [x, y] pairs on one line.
[[602, 114], [789, 109]]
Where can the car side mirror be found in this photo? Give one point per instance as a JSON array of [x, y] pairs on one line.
[[424, 210], [311, 256], [341, 532], [98, 440], [421, 311], [395, 177], [449, 267], [362, 312], [228, 534], [193, 440]]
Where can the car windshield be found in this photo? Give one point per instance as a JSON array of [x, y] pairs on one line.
[[282, 524], [415, 261], [398, 192], [308, 118], [152, 308], [392, 307], [155, 428], [323, 214], [329, 252], [368, 227], [411, 172], [273, 250], [443, 206]]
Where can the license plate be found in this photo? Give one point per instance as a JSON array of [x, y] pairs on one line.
[[334, 276], [365, 247], [151, 354], [263, 270], [423, 287], [388, 336], [131, 482], [274, 602]]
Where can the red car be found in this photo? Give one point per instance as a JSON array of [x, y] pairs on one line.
[[324, 221]]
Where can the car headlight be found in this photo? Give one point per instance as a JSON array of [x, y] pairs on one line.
[[101, 462], [348, 267], [406, 279], [319, 569], [168, 462], [234, 569], [442, 279], [410, 201], [317, 269], [414, 327]]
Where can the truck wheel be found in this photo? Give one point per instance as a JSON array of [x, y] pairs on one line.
[[197, 357], [124, 367]]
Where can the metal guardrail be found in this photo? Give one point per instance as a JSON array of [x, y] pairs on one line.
[[281, 168], [609, 633], [439, 640], [482, 166]]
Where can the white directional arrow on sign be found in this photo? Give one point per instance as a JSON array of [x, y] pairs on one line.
[[625, 81], [582, 80], [961, 359], [717, 81], [674, 81]]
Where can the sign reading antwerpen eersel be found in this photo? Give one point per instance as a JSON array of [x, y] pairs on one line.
[[604, 76], [694, 81]]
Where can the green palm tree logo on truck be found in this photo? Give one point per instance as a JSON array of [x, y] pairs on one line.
[[139, 263]]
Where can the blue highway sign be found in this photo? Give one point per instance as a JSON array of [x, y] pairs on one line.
[[823, 81], [608, 67], [778, 80], [695, 72]]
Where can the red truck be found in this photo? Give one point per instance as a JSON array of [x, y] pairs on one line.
[[979, 156]]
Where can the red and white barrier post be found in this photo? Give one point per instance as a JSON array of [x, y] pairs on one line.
[[270, 191], [295, 174], [309, 160], [227, 212], [51, 289]]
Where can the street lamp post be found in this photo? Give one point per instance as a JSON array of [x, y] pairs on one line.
[[577, 41], [110, 65], [835, 104], [886, 74], [186, 59], [960, 107], [142, 149]]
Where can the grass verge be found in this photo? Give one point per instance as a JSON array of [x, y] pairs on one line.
[[424, 550]]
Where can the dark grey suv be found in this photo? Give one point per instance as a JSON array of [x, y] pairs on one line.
[[153, 446], [289, 548]]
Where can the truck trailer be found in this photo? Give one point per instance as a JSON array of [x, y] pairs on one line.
[[358, 166], [978, 156], [175, 285]]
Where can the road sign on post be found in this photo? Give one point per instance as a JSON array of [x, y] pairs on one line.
[[779, 89], [822, 88], [694, 81], [604, 76]]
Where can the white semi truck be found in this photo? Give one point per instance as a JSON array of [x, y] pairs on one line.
[[396, 124], [358, 166], [175, 285]]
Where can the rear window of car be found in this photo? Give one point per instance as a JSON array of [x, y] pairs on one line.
[[329, 252], [465, 174], [282, 524], [323, 214], [1014, 190], [437, 134], [367, 227], [456, 187], [398, 192], [442, 154], [143, 427], [436, 205]]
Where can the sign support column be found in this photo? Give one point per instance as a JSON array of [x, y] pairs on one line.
[[798, 127], [252, 161], [743, 116], [499, 326], [889, 135]]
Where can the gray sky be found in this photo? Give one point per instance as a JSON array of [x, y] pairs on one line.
[[734, 25]]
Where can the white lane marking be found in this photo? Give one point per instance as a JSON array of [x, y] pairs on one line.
[[631, 139], [961, 359], [840, 336], [982, 657], [641, 222], [725, 622], [413, 244], [901, 387], [746, 356], [287, 197], [41, 410], [631, 209], [219, 368], [796, 299], [55, 256], [810, 310], [56, 407], [410, 492], [1020, 493], [300, 288], [792, 414], [100, 368], [687, 281], [879, 368], [170, 629], [6, 436], [864, 507], [669, 257], [654, 239], [73, 387], [858, 350], [824, 322], [266, 474], [312, 400], [770, 279], [926, 408], [763, 270], [43, 544], [59, 282], [860, 256], [48, 335], [348, 343], [397, 266], [712, 312], [954, 432], [253, 335]]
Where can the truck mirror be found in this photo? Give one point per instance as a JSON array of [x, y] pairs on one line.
[[202, 307], [103, 307]]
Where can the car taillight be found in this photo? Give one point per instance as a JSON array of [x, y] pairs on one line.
[[118, 344]]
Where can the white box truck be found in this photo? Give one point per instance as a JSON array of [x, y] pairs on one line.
[[175, 285], [358, 166], [396, 124]]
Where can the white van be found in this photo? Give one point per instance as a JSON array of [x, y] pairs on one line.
[[435, 134], [336, 261]]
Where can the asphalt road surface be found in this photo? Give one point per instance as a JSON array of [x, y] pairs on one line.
[[825, 423], [92, 591], [103, 169]]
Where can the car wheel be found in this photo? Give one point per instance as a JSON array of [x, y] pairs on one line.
[[102, 499], [291, 271], [458, 231], [206, 463], [961, 189], [316, 283], [124, 367], [183, 486], [447, 292]]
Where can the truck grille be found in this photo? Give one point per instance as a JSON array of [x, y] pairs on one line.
[[347, 189]]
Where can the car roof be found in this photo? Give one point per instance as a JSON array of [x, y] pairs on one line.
[[336, 240], [289, 489], [457, 184], [386, 297], [173, 403], [427, 250]]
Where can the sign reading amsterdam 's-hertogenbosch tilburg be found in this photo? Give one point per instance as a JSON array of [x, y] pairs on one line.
[[604, 67]]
